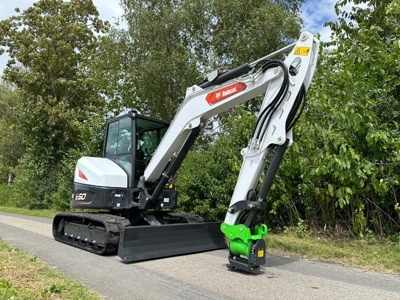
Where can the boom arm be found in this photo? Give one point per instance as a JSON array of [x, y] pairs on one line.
[[281, 82]]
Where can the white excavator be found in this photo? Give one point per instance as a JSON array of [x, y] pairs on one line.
[[131, 186]]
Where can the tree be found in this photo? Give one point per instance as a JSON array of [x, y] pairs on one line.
[[208, 176], [171, 44], [349, 144], [163, 55], [113, 77], [243, 31], [50, 45], [342, 171], [11, 147]]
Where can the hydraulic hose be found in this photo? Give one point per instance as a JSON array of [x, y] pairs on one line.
[[264, 117]]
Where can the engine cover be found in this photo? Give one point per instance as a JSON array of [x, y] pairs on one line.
[[101, 172]]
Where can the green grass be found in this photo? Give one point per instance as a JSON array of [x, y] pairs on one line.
[[22, 276], [44, 213], [381, 256]]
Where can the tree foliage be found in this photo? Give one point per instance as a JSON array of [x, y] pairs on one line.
[[354, 120], [170, 45], [342, 172], [243, 31], [11, 147], [50, 46], [112, 77], [208, 176]]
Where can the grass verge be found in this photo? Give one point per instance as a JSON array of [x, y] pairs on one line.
[[22, 276], [381, 257], [44, 213]]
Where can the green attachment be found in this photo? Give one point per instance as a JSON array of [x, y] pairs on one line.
[[238, 247], [241, 238]]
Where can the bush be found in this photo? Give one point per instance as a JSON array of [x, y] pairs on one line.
[[11, 195]]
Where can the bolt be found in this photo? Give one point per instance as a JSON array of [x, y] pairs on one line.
[[276, 71], [304, 36], [190, 125], [224, 227], [240, 229], [280, 139]]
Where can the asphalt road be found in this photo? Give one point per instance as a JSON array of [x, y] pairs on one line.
[[197, 276]]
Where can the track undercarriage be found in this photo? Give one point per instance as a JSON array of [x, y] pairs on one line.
[[138, 236]]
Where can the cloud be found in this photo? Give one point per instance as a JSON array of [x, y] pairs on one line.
[[315, 13], [7, 7], [109, 10]]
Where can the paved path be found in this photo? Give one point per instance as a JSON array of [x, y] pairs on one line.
[[197, 276]]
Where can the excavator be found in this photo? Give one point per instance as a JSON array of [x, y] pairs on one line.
[[129, 192]]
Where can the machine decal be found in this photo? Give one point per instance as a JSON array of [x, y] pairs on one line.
[[224, 93], [81, 175], [302, 51], [80, 197]]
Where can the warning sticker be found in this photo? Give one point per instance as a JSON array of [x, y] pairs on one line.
[[260, 253], [302, 51]]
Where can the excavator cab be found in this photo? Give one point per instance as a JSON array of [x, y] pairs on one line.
[[111, 182], [130, 142]]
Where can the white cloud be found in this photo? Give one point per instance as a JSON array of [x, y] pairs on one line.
[[315, 13], [7, 7], [109, 10]]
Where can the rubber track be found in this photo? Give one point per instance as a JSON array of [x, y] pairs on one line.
[[112, 224]]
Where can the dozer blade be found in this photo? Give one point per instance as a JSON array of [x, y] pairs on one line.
[[148, 242]]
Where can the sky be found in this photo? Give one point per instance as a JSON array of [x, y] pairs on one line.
[[314, 12]]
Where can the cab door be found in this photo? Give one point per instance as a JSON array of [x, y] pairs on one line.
[[120, 144]]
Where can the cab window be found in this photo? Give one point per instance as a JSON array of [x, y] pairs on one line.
[[119, 143], [148, 137]]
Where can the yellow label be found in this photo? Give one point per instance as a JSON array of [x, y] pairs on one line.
[[260, 253], [302, 51]]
